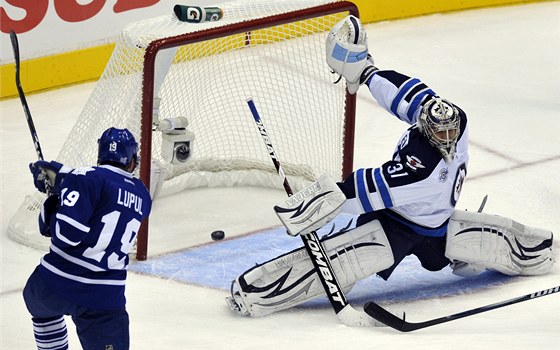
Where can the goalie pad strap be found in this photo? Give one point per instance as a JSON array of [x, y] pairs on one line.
[[478, 241], [312, 207]]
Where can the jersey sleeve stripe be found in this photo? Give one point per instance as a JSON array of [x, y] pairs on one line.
[[382, 188], [369, 180], [414, 91], [72, 222], [401, 93], [62, 238], [362, 192]]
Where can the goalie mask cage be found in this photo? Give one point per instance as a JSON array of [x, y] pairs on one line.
[[270, 50]]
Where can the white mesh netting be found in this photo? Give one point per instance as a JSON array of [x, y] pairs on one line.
[[282, 67]]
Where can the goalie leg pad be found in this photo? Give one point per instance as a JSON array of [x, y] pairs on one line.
[[290, 279], [478, 241], [311, 208]]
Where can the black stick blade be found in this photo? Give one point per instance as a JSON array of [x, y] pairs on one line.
[[385, 317]]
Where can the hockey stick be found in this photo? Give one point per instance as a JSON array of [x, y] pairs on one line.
[[15, 47], [345, 312], [401, 325], [482, 204]]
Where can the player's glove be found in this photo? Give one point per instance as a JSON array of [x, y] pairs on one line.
[[49, 210], [347, 53], [47, 176]]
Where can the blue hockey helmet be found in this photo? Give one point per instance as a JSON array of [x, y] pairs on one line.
[[117, 146]]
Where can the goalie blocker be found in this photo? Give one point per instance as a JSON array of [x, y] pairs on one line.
[[312, 207]]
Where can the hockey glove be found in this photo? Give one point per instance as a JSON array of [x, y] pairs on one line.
[[347, 53], [49, 209], [47, 176]]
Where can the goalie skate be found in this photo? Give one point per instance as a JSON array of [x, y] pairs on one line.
[[235, 302]]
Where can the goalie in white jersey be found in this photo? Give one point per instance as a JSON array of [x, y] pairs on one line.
[[405, 206]]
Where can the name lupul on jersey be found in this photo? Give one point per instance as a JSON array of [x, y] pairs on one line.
[[130, 200]]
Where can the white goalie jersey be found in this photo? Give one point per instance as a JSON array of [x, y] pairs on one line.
[[417, 184]]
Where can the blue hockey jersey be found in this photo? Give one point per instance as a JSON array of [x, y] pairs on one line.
[[417, 186], [100, 210]]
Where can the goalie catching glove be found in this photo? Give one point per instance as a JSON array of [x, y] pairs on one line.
[[347, 53], [311, 208]]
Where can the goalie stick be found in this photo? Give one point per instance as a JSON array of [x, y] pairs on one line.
[[15, 47], [384, 316], [345, 312]]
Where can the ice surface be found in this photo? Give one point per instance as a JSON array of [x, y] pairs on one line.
[[501, 65]]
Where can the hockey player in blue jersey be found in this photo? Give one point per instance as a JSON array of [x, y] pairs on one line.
[[406, 206], [92, 216]]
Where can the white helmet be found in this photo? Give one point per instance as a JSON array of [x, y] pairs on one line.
[[439, 121]]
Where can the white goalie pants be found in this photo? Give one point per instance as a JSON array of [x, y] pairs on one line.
[[479, 241], [291, 279]]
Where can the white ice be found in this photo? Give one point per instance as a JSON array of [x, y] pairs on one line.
[[501, 65]]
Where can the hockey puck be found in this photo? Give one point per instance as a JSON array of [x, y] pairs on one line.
[[218, 235]]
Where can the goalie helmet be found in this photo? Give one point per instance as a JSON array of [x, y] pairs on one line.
[[439, 122], [117, 146]]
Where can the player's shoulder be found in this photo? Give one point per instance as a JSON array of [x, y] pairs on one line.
[[124, 178], [83, 174], [83, 171], [106, 173], [417, 155], [86, 176]]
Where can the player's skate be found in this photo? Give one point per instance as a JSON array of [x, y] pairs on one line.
[[235, 302]]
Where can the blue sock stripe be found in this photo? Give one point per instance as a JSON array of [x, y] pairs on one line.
[[50, 335], [54, 341], [54, 347], [60, 339], [49, 329], [47, 321]]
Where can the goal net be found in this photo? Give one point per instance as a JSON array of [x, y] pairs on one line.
[[182, 88]]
